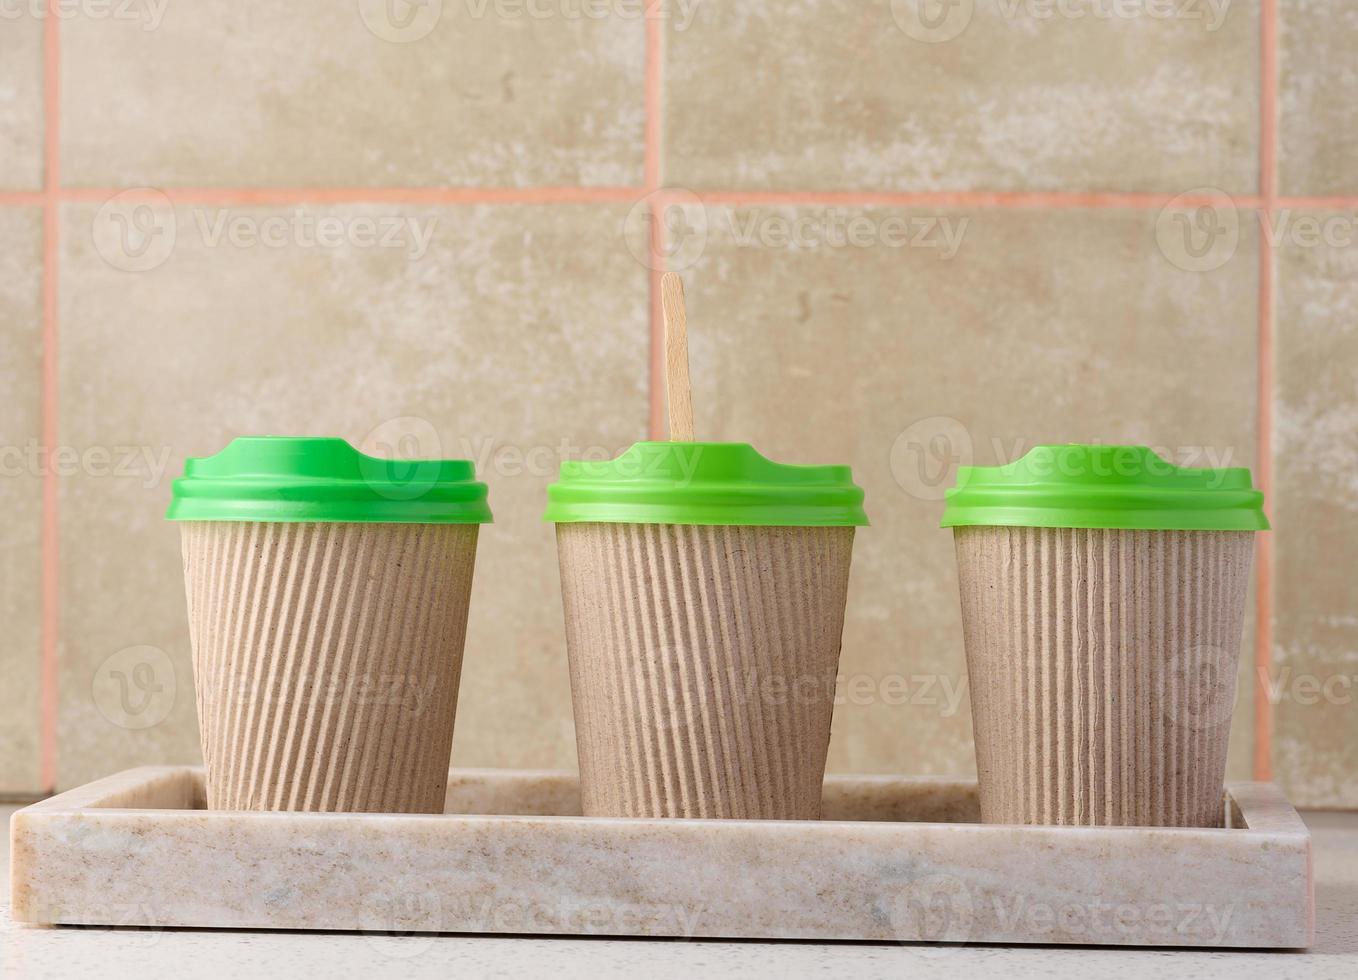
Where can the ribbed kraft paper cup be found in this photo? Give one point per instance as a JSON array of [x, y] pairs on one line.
[[328, 594], [1103, 601], [1102, 666], [704, 589], [703, 664], [326, 661]]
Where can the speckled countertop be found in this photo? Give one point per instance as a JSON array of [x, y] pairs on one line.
[[37, 952]]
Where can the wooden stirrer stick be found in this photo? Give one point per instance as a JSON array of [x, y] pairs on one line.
[[676, 358]]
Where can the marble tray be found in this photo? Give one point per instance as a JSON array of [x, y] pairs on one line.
[[895, 859]]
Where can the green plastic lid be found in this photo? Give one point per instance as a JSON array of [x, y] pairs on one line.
[[283, 478], [1127, 487], [703, 483]]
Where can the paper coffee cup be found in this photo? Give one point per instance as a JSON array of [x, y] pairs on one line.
[[704, 591], [327, 603], [1103, 600]]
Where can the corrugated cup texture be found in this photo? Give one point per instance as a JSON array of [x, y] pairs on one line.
[[1102, 666], [703, 663], [326, 660]]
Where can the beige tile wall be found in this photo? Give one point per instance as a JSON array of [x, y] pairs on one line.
[[300, 94], [1013, 102], [1315, 680], [1319, 118], [519, 328], [1015, 276], [20, 497], [1027, 334], [21, 109]]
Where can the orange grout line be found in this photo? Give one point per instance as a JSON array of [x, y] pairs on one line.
[[1338, 202], [989, 200], [1268, 190], [968, 199], [653, 95], [50, 560], [245, 196], [656, 214]]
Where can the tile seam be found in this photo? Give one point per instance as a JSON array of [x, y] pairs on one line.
[[50, 410], [1268, 189], [245, 196]]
